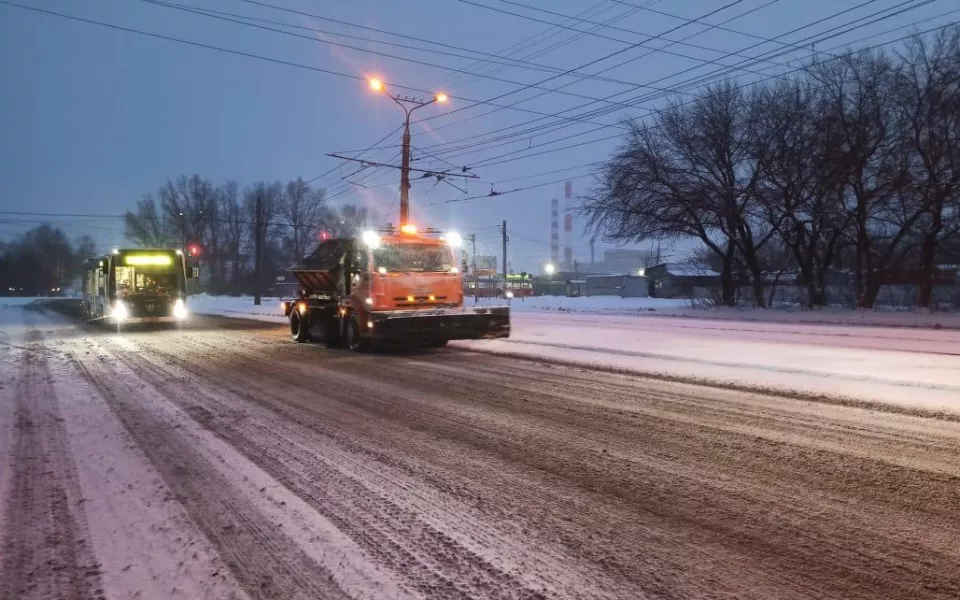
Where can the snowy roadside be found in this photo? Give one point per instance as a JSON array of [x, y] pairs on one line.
[[635, 307], [907, 366]]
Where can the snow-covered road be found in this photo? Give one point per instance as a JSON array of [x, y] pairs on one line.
[[224, 461]]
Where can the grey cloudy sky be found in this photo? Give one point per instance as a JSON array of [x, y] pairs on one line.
[[92, 118]]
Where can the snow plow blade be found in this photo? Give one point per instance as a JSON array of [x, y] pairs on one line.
[[477, 323]]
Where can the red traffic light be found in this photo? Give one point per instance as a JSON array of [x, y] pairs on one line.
[[194, 250]]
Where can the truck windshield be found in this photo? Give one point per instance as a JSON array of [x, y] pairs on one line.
[[161, 281], [413, 257]]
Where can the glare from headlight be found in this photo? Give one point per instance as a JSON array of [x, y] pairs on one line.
[[371, 239], [454, 239], [179, 309], [119, 312], [509, 294]]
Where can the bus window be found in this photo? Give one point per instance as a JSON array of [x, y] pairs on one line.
[[149, 280]]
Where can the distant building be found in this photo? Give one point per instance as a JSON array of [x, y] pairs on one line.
[[485, 265], [624, 286], [676, 280], [621, 262]]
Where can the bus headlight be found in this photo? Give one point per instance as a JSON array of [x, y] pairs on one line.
[[119, 312], [179, 309]]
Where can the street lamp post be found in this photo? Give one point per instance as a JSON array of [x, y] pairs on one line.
[[408, 105]]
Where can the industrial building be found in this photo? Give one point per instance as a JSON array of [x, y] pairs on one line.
[[676, 280]]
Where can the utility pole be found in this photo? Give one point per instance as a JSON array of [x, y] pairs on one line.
[[473, 266], [257, 245], [405, 169], [505, 240], [593, 242]]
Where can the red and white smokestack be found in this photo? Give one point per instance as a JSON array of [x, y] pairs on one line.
[[568, 226], [555, 232]]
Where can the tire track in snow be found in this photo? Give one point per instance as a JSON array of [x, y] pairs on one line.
[[435, 564], [46, 548], [265, 562]]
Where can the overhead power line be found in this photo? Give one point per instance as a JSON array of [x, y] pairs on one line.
[[545, 35], [212, 15], [605, 70], [497, 159], [476, 144], [589, 63], [253, 56], [670, 76], [599, 26], [356, 155]]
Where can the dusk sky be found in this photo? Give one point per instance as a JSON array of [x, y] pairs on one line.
[[92, 118]]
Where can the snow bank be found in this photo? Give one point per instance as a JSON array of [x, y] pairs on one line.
[[916, 368], [588, 304], [9, 301], [240, 307], [882, 317], [612, 305], [901, 358]]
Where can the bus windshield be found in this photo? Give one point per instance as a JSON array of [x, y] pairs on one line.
[[150, 280], [414, 257]]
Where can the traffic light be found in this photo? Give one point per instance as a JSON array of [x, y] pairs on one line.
[[193, 250]]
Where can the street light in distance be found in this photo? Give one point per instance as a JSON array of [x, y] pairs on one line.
[[549, 269]]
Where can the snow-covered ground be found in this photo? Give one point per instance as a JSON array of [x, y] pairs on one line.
[[654, 307], [908, 363]]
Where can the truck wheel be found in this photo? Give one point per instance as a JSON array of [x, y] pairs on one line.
[[299, 329], [351, 335], [331, 333]]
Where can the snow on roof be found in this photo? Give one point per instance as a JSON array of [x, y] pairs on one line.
[[682, 270]]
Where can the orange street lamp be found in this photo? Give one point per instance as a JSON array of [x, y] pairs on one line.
[[408, 105]]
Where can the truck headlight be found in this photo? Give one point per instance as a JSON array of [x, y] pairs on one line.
[[454, 239], [119, 312], [371, 239], [179, 309]]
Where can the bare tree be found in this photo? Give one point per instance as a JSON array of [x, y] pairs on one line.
[[147, 226], [236, 230], [186, 205], [928, 101], [859, 93], [800, 193], [345, 220], [303, 212], [262, 201], [216, 236], [690, 174]]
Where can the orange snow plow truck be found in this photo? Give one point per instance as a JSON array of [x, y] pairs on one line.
[[388, 288]]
